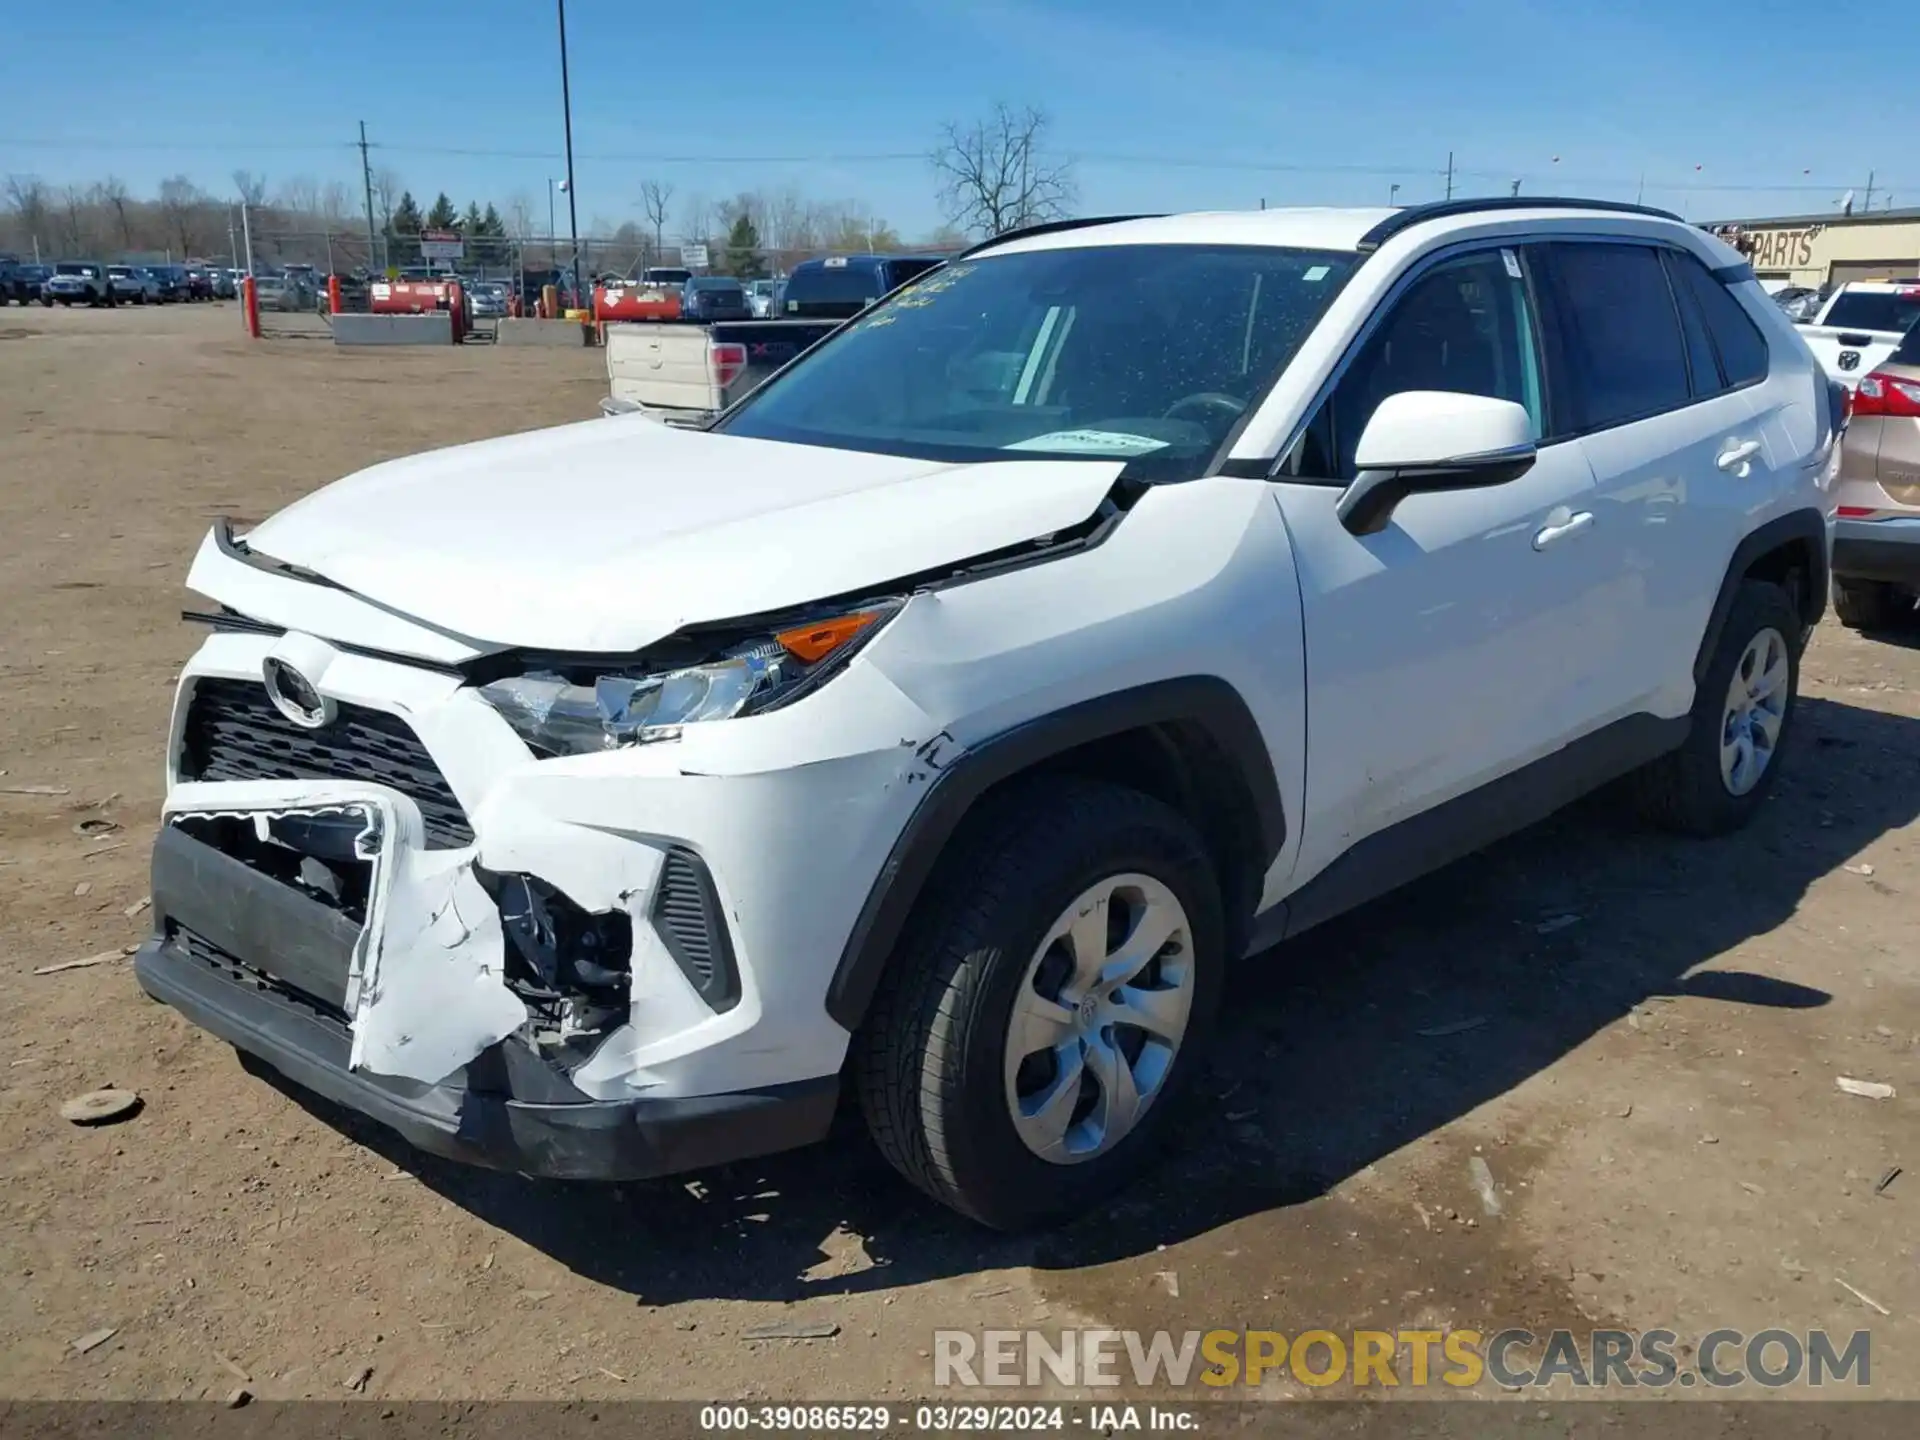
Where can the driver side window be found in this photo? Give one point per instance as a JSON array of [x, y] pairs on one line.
[[1464, 326]]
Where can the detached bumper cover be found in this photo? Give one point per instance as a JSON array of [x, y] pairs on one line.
[[506, 1110]]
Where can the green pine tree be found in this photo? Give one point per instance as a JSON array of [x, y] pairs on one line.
[[442, 216], [492, 225], [403, 232], [743, 250], [471, 223]]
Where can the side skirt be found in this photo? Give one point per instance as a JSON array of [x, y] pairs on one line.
[[1425, 842]]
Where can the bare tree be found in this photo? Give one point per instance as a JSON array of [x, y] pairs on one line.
[[251, 188], [28, 199], [386, 190], [654, 195], [995, 174], [520, 215], [113, 193], [696, 220], [181, 202], [73, 208]]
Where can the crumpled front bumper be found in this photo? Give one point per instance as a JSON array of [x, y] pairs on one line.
[[475, 1116]]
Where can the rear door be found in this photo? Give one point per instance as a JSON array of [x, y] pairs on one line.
[[1677, 454]]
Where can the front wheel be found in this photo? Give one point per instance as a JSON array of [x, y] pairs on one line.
[[1742, 719], [1052, 994]]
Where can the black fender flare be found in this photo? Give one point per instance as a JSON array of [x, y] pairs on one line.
[[1204, 700], [1808, 526]]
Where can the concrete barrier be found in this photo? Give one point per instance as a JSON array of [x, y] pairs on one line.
[[434, 329], [564, 334]]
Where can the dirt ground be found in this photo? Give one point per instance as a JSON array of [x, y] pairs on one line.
[[1650, 1082]]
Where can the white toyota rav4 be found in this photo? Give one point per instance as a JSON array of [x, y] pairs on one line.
[[1115, 601]]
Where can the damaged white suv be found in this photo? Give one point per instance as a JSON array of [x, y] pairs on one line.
[[1113, 602]]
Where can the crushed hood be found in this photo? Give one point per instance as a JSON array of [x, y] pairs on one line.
[[611, 534]]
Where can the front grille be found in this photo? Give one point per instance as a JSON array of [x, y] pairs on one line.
[[686, 915], [233, 732]]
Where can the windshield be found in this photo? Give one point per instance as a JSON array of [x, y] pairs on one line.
[[1874, 310], [835, 292], [713, 284], [1147, 351]]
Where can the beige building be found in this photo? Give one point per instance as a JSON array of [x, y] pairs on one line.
[[1814, 250]]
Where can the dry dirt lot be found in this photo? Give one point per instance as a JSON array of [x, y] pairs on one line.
[[1651, 1082]]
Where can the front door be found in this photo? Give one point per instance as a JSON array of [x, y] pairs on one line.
[[1439, 650]]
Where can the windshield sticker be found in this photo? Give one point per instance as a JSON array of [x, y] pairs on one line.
[[1315, 272], [1083, 442]]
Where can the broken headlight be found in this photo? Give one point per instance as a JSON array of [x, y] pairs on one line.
[[573, 714]]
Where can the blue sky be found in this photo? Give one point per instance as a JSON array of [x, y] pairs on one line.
[[1207, 103]]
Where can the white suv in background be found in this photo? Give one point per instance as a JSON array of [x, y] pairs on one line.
[[1117, 601]]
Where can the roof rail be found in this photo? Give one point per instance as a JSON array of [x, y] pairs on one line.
[[1441, 209], [1048, 227]]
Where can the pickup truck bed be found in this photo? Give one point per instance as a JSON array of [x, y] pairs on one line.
[[684, 372]]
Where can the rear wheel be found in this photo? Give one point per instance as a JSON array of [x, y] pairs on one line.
[[1741, 721], [1052, 994], [1868, 604]]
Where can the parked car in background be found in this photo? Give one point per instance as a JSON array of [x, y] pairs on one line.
[[226, 283], [20, 281], [1876, 530], [760, 296], [284, 292], [77, 282], [172, 280], [488, 299], [133, 284], [665, 275], [1861, 325], [1800, 303], [841, 286], [714, 297], [199, 282]]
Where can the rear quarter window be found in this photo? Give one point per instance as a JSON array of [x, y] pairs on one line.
[[1741, 345], [1874, 310]]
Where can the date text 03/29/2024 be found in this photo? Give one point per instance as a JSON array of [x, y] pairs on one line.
[[946, 1419]]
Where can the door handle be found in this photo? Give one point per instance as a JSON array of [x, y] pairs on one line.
[[1560, 530], [1735, 457]]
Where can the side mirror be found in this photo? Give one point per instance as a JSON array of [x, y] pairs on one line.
[[1422, 440]]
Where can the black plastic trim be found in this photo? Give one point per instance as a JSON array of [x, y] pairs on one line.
[[1891, 560], [1204, 700], [1049, 227], [1731, 274], [232, 621], [720, 988], [566, 1140], [1425, 842], [1413, 215], [257, 919], [1809, 526]]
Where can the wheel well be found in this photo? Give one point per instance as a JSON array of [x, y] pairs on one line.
[[1791, 566], [1180, 764]]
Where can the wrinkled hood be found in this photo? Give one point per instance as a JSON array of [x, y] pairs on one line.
[[611, 534]]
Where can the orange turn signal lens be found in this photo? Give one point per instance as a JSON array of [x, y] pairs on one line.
[[813, 643]]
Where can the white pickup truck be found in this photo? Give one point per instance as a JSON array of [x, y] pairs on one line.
[[1861, 325]]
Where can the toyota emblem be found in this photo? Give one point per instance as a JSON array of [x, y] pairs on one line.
[[1849, 359], [295, 696]]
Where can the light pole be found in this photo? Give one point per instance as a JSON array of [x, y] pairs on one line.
[[549, 219], [1393, 194], [566, 109]]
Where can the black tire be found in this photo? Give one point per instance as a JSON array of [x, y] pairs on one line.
[[1684, 791], [47, 301], [928, 1063], [1868, 604]]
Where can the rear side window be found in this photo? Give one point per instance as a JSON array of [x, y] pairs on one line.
[[1741, 346], [1626, 357], [1909, 351]]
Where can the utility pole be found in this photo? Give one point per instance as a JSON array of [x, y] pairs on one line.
[[1449, 174], [1516, 186], [1640, 195], [233, 243], [1393, 194], [246, 233], [566, 106], [1868, 203], [366, 179]]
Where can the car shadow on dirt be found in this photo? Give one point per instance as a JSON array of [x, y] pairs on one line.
[[1334, 1050]]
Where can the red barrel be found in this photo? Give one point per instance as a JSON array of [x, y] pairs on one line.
[[636, 302]]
